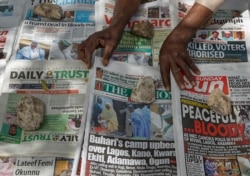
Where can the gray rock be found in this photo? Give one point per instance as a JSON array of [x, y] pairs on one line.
[[48, 10], [143, 29], [30, 113], [144, 91], [219, 102]]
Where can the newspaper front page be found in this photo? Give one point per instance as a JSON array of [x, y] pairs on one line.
[[209, 143], [41, 38], [50, 40], [231, 43], [61, 85], [224, 38], [123, 137]]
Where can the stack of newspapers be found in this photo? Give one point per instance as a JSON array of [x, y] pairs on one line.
[[91, 127]]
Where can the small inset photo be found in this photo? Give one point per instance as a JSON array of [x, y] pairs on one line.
[[32, 50], [153, 12]]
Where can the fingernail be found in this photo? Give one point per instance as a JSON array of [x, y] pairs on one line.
[[89, 65], [167, 89], [104, 62], [183, 87], [194, 83]]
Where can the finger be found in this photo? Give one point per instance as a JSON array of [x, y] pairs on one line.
[[193, 67], [108, 51], [80, 52], [88, 57], [165, 75], [187, 72], [88, 47], [84, 53], [186, 64], [176, 71]]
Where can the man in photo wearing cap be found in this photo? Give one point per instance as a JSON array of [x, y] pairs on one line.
[[227, 36], [167, 132], [61, 50], [203, 35], [239, 35], [31, 52]]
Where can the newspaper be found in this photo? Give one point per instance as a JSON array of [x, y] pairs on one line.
[[61, 85], [10, 18], [79, 11], [208, 143], [230, 24], [227, 10], [7, 38], [50, 40], [122, 137], [43, 166], [232, 44], [2, 69], [134, 49], [11, 13]]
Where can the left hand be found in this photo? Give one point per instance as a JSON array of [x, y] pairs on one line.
[[174, 57]]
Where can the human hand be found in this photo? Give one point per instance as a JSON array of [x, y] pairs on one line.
[[107, 39], [174, 57]]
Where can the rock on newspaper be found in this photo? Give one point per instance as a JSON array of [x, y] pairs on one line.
[[61, 85], [123, 137], [208, 143]]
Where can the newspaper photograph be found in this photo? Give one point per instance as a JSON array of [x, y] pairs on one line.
[[10, 10], [61, 86], [209, 142], [124, 137]]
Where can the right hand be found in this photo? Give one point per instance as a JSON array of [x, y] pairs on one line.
[[108, 39]]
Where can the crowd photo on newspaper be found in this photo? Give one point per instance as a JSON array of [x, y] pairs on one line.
[[124, 88]]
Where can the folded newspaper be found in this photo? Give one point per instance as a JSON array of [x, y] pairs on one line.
[[208, 143], [122, 137], [61, 85], [2, 67]]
